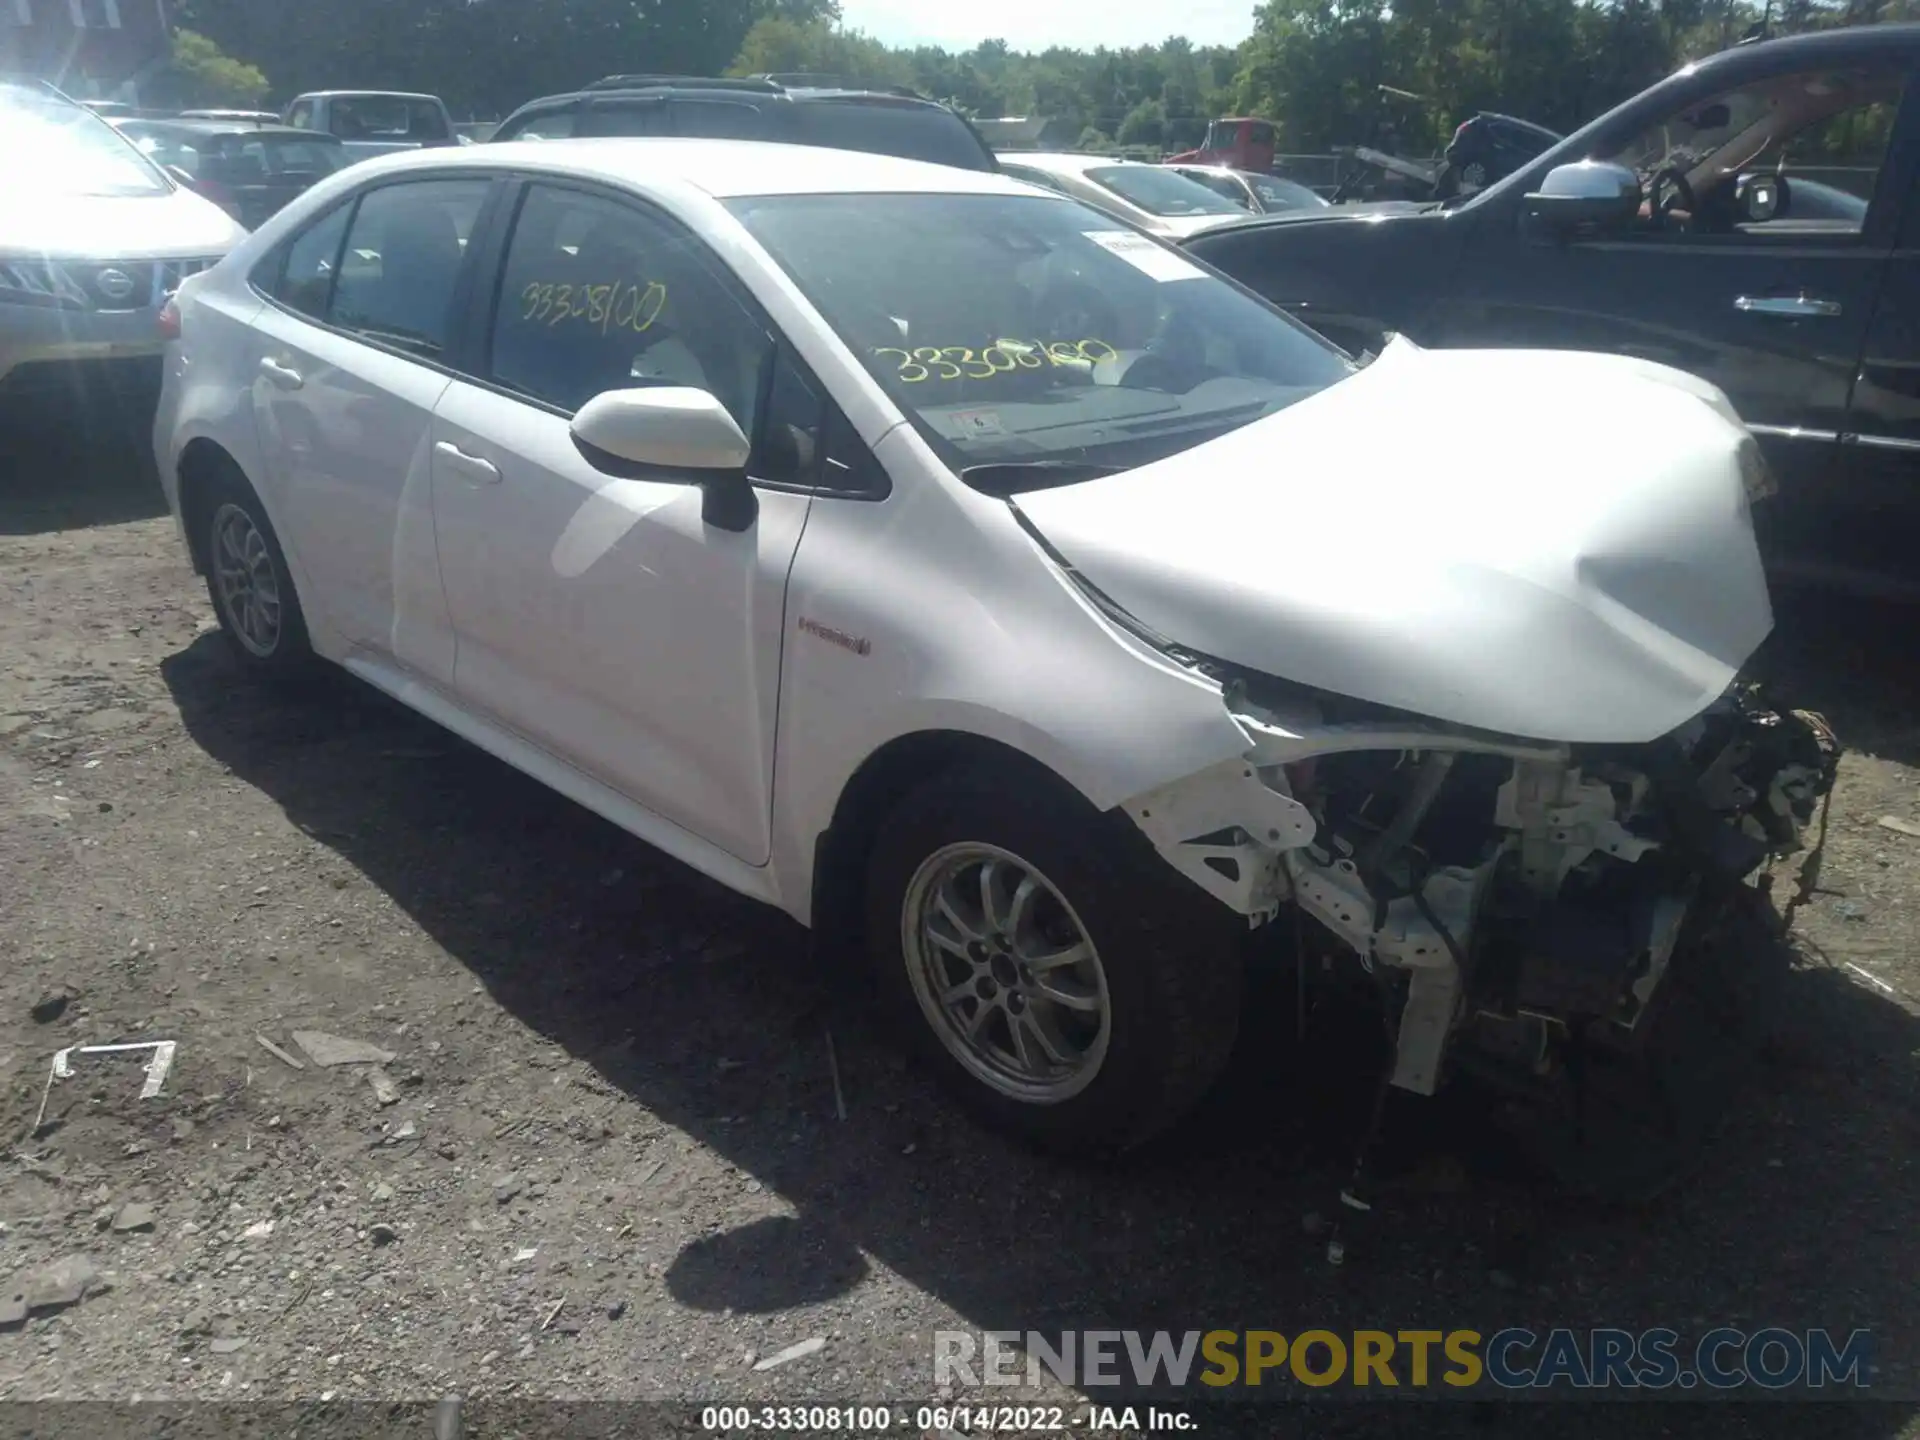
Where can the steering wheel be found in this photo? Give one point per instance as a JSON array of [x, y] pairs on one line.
[[1670, 191]]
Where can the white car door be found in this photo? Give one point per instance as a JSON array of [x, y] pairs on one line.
[[599, 615], [344, 390]]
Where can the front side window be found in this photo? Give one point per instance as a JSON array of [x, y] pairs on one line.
[[1014, 328], [1825, 132], [597, 295], [54, 147], [402, 260], [1160, 192]]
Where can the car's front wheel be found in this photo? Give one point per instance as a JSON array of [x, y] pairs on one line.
[[1051, 969], [248, 580]]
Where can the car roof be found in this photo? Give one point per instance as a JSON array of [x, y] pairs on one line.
[[741, 91], [722, 168]]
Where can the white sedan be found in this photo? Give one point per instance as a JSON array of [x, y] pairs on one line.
[[1156, 198], [930, 558]]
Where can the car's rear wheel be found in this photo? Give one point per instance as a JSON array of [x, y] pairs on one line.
[[1064, 984], [248, 580]]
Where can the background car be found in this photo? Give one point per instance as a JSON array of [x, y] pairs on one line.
[[798, 110], [1752, 220], [1152, 197], [94, 236], [246, 169], [1261, 194]]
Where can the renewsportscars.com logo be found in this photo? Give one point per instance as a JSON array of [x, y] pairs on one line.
[[1442, 1361]]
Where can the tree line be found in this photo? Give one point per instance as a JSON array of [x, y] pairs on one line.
[[1327, 72]]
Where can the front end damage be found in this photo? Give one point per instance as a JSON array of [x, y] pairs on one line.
[[1523, 906]]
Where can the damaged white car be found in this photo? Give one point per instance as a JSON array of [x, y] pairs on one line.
[[924, 556]]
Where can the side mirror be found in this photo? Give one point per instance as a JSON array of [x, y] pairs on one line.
[[671, 433], [1761, 196], [1587, 197]]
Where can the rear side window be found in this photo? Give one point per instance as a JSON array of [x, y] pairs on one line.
[[306, 281], [402, 259], [913, 132]]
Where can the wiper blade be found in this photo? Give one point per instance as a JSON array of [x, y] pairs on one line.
[[1003, 478]]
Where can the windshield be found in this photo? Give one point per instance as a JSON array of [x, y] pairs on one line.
[[1161, 192], [1016, 328], [1278, 194], [53, 147]]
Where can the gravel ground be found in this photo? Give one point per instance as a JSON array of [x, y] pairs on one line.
[[605, 1161]]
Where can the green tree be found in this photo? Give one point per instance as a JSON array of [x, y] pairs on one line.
[[201, 74]]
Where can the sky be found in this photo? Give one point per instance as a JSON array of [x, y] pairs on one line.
[[1036, 24]]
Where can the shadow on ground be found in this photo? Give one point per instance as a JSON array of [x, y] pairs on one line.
[[1800, 1216], [65, 465]]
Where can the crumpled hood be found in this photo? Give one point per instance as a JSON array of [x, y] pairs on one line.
[[179, 224], [1546, 544]]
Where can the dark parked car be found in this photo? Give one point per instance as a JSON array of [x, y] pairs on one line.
[[802, 110], [247, 169], [1753, 219]]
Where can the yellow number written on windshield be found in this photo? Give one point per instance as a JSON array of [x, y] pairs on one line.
[[1003, 357]]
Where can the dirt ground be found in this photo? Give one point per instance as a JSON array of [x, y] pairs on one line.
[[611, 1166]]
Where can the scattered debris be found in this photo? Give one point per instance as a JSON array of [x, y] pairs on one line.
[[63, 1283], [382, 1234], [724, 1065], [382, 1193], [1872, 979], [505, 1189], [385, 1092], [798, 1351], [616, 1310], [274, 1050], [182, 1128], [259, 1230], [522, 1256], [133, 1216], [327, 1051], [1899, 826], [554, 1313], [228, 1344], [833, 1064], [157, 1068], [407, 1130], [51, 1006]]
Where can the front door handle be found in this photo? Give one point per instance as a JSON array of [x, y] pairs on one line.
[[471, 467], [1790, 307], [285, 376]]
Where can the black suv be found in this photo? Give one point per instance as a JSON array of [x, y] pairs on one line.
[[795, 109]]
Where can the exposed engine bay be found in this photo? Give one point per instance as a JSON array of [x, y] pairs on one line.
[[1505, 895]]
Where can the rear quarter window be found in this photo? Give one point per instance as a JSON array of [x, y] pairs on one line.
[[913, 132]]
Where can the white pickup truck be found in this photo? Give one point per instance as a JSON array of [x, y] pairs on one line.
[[375, 122]]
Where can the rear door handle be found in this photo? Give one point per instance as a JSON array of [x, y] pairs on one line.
[[1790, 307], [285, 376], [470, 467]]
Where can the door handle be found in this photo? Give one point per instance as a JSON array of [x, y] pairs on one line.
[[285, 376], [1790, 307], [472, 467]]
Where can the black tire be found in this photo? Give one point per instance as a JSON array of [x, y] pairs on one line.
[[1170, 954], [290, 655]]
